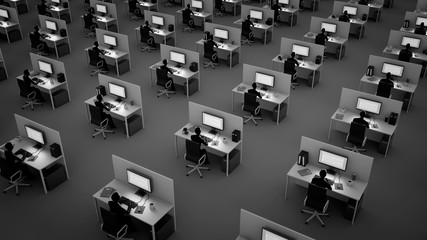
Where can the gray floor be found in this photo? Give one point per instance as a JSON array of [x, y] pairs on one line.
[[208, 208]]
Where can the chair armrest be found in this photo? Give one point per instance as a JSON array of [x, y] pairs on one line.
[[214, 56], [190, 22], [40, 46], [168, 84], [326, 206], [31, 95], [99, 64], [18, 173], [202, 159], [364, 141], [257, 109], [122, 232], [104, 123]]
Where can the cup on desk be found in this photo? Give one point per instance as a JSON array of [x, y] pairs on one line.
[[224, 140], [185, 131], [349, 182], [152, 206]]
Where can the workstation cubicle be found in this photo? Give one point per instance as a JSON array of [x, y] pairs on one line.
[[228, 40], [53, 80], [405, 75], [384, 116], [53, 29], [223, 129], [413, 20], [160, 23], [3, 70], [60, 9], [259, 16], [202, 9], [232, 6], [306, 54], [126, 99], [421, 6], [46, 157], [116, 48], [143, 6], [337, 34], [313, 5], [289, 12], [9, 24], [20, 5], [253, 226], [275, 88], [152, 192], [106, 15], [350, 180], [357, 13]]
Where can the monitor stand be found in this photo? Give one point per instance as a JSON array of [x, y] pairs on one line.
[[213, 131], [331, 171], [111, 48], [47, 75], [140, 193], [178, 66], [118, 100], [264, 88], [38, 146]]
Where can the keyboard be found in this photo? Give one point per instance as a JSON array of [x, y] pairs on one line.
[[109, 105], [125, 200], [207, 139], [24, 153], [329, 181], [174, 70]]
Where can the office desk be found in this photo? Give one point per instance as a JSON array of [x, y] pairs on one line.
[[222, 47], [409, 30], [122, 113], [375, 7], [6, 26], [286, 12], [355, 191], [313, 4], [304, 65], [114, 55], [203, 16], [44, 159], [15, 4], [398, 86], [148, 216], [270, 97], [180, 73], [163, 33], [224, 148], [355, 23], [383, 127], [233, 4], [258, 26], [144, 5], [56, 39], [58, 10], [49, 85], [417, 57], [330, 44]]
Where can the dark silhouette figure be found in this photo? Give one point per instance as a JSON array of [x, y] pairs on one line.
[[344, 17], [101, 106], [166, 68], [197, 138], [29, 85], [145, 34], [361, 119], [102, 52], [384, 86], [420, 29], [320, 181]]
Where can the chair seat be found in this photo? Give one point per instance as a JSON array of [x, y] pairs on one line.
[[249, 108]]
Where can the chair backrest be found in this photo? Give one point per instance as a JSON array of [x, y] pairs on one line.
[[132, 6], [145, 34], [316, 197], [356, 135], [319, 40], [40, 9], [208, 49], [343, 18], [96, 116], [23, 90], [250, 99], [162, 77], [87, 18], [405, 56], [186, 16], [384, 89], [93, 57], [289, 67], [110, 222], [6, 170], [34, 40], [192, 151], [246, 28]]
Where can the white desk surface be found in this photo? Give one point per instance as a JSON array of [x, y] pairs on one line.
[[284, 9], [197, 14], [57, 8], [48, 83], [223, 46], [375, 5], [180, 72], [410, 30], [52, 37], [355, 191], [111, 53], [269, 96], [146, 4], [161, 32], [262, 26], [302, 64], [334, 39], [396, 51], [148, 216], [383, 127], [401, 86], [7, 24], [352, 20], [222, 147], [232, 1], [121, 111], [103, 19]]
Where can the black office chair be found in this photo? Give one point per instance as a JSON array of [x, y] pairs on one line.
[[168, 3], [135, 14], [89, 25], [252, 106], [384, 89], [41, 11], [186, 19], [247, 32], [164, 81], [193, 155], [37, 45], [13, 176], [212, 56], [357, 137], [289, 68], [405, 56], [220, 8], [95, 61], [112, 226], [97, 118], [276, 22], [316, 199], [321, 41], [29, 94], [343, 18], [146, 39]]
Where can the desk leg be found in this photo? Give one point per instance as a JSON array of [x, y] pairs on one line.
[[339, 57], [87, 112], [51, 99], [127, 127], [228, 163], [176, 146], [117, 67], [231, 58], [409, 104], [7, 35], [312, 81], [278, 114], [43, 182], [187, 87], [286, 188], [232, 101], [354, 213], [56, 49], [388, 145], [153, 232], [330, 128], [265, 36], [96, 209], [151, 77], [136, 36]]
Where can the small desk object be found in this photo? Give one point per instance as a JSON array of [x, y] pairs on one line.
[[222, 47], [258, 26], [330, 44], [304, 65]]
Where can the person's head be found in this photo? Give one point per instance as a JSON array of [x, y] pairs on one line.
[[91, 10], [43, 1], [323, 30], [96, 43], [249, 17], [388, 75], [362, 114], [188, 6], [408, 46], [345, 12], [8, 146], [322, 173], [293, 54], [165, 62], [197, 130], [115, 197], [26, 72], [254, 85], [146, 23], [99, 97], [36, 28], [210, 37], [422, 25]]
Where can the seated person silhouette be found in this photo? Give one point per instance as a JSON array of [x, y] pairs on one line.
[[276, 8], [43, 8], [102, 52], [420, 29], [321, 181], [323, 35], [186, 16], [292, 59], [167, 69], [38, 35], [13, 162], [28, 82], [344, 17], [90, 13], [210, 46], [406, 53], [256, 93], [246, 27], [145, 34], [386, 84], [361, 119], [100, 104], [133, 6], [197, 138], [363, 2], [121, 213], [218, 6]]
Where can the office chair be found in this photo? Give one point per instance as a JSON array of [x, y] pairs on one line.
[[37, 45], [164, 81], [220, 11], [357, 137], [321, 41], [212, 56], [193, 155], [41, 10], [247, 32], [316, 199], [93, 61], [147, 39], [405, 56], [169, 4], [89, 25], [31, 101], [112, 226], [384, 89], [13, 176], [289, 68], [96, 117], [135, 14], [251, 105], [186, 19], [276, 22]]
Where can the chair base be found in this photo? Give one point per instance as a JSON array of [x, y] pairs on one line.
[[94, 72], [198, 168], [91, 34], [189, 29], [253, 118], [123, 238], [210, 64], [276, 24], [168, 4], [165, 91], [102, 131], [134, 17], [249, 42], [219, 14], [355, 149], [16, 185], [147, 48], [315, 214], [31, 103]]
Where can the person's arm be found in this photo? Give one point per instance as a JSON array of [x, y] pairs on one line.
[[11, 157], [252, 24], [150, 29], [214, 43], [168, 69]]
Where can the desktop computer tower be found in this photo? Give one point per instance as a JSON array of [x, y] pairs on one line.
[[233, 161], [124, 66], [60, 97], [406, 100], [134, 124], [14, 35], [193, 86], [66, 17], [351, 207], [235, 136], [53, 176], [63, 49], [55, 150]]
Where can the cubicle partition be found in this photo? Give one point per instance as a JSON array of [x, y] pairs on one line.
[[421, 5], [411, 17], [286, 49], [361, 9], [60, 11], [11, 28], [122, 39], [251, 226], [161, 35], [208, 6], [60, 24], [343, 28], [109, 20], [266, 12], [111, 7], [395, 40], [61, 44]]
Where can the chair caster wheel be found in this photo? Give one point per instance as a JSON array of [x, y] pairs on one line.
[[4, 191], [302, 211], [30, 185], [105, 139], [306, 222], [157, 96], [323, 225], [187, 175], [201, 176], [256, 124], [209, 169], [93, 136], [17, 194]]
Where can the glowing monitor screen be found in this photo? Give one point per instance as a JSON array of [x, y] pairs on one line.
[[268, 234], [51, 25], [117, 90], [329, 27], [197, 4], [110, 40], [139, 181], [177, 57], [56, 1], [283, 1], [101, 8], [414, 42], [264, 79], [368, 105], [421, 20], [300, 50], [221, 33], [395, 70], [333, 160], [255, 14], [350, 10], [213, 121], [45, 67], [157, 20], [34, 135], [4, 13]]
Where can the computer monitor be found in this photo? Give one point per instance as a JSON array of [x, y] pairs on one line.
[[414, 42], [140, 181], [198, 5], [352, 11], [284, 2], [51, 25], [110, 40], [178, 58], [216, 123], [4, 14], [300, 50], [35, 135], [269, 234], [57, 2], [159, 21], [101, 9], [329, 27], [117, 90], [222, 34], [369, 106], [256, 15], [332, 160], [264, 79], [395, 70], [420, 20], [45, 67]]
